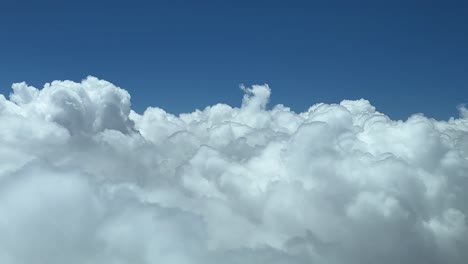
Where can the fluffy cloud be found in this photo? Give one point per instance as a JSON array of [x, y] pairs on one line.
[[84, 179]]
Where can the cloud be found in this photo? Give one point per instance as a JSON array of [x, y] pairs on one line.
[[84, 179]]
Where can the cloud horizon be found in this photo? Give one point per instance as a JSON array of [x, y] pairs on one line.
[[85, 179]]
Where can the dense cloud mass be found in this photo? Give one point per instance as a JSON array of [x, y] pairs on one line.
[[86, 180]]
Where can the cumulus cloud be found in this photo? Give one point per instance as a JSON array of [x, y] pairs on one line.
[[84, 179]]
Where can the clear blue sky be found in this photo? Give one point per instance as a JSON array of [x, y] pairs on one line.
[[403, 56]]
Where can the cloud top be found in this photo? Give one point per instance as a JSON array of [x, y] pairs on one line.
[[84, 179]]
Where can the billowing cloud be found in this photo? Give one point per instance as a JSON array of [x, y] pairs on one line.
[[86, 180]]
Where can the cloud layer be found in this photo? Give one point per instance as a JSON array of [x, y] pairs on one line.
[[86, 180]]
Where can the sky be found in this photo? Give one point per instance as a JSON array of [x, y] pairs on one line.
[[405, 57], [233, 132]]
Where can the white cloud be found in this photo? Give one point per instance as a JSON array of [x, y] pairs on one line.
[[83, 179]]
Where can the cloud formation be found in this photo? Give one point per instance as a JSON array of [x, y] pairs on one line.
[[86, 180]]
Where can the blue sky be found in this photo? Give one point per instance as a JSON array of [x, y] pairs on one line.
[[404, 56]]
